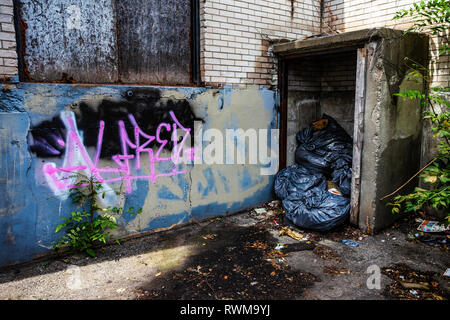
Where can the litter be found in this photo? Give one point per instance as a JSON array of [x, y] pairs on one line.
[[447, 272], [325, 150], [350, 243], [260, 211], [335, 191], [436, 242], [291, 233], [432, 226], [333, 188], [432, 240], [306, 200], [279, 246], [335, 270], [412, 285], [274, 204]]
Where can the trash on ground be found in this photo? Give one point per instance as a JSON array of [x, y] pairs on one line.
[[258, 244], [435, 242], [412, 284], [431, 239], [274, 204], [290, 233], [432, 226], [306, 200], [347, 232], [260, 210], [335, 270], [350, 243], [279, 246], [211, 236], [447, 272], [324, 150]]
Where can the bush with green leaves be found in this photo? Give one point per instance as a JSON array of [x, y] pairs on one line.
[[91, 225], [432, 17]]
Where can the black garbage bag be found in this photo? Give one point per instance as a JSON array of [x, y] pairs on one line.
[[296, 178], [318, 150], [303, 186], [311, 152], [306, 199], [327, 151], [316, 209], [342, 174]]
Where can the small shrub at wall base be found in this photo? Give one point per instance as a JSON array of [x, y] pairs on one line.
[[92, 224]]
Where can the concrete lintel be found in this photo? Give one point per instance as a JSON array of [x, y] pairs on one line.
[[337, 41]]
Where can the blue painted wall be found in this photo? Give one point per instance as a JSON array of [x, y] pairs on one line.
[[30, 209]]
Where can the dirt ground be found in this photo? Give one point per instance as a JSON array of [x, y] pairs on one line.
[[244, 256]]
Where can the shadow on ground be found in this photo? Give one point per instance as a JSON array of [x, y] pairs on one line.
[[237, 264], [243, 256]]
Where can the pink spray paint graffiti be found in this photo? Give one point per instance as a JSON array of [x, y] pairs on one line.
[[77, 158]]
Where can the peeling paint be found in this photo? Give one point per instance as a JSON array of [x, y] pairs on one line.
[[200, 191]]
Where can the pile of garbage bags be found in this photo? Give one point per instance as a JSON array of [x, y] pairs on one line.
[[323, 158]]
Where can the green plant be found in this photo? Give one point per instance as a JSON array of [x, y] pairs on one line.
[[431, 16], [92, 224], [434, 17]]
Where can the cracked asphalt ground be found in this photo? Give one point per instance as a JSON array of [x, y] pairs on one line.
[[236, 257]]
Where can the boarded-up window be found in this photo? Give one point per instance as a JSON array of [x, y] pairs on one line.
[[154, 40], [106, 41]]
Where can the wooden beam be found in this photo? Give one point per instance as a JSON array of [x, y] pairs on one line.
[[283, 90], [358, 133]]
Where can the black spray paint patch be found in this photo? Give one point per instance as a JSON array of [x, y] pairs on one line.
[[48, 138], [145, 105]]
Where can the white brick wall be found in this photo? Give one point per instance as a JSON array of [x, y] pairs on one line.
[[351, 15], [8, 55], [321, 75], [236, 37]]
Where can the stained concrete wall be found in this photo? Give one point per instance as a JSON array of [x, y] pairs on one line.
[[392, 127], [48, 130]]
